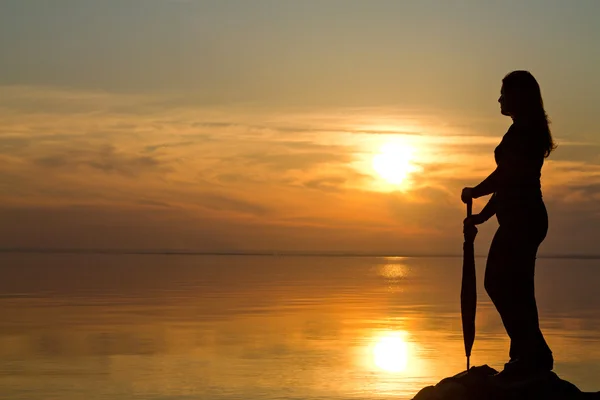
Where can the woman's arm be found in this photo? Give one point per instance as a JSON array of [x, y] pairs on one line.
[[486, 213], [489, 210], [488, 186]]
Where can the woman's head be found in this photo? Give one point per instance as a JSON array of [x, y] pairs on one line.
[[521, 99]]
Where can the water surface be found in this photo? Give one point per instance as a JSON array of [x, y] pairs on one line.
[[261, 327]]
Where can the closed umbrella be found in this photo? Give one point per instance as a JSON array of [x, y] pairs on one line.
[[468, 293]]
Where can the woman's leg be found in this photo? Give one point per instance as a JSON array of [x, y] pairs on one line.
[[527, 340], [528, 237], [498, 283], [509, 281]]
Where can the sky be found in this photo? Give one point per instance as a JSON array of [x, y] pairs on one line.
[[313, 126]]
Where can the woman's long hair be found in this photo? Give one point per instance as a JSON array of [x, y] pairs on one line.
[[530, 105]]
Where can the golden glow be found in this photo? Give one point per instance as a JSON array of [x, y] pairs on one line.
[[394, 162], [394, 268], [390, 352]]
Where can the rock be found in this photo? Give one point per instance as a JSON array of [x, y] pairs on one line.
[[427, 393], [477, 384]]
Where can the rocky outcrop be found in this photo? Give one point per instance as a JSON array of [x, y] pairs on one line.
[[478, 383]]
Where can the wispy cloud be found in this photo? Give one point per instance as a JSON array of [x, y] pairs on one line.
[[252, 171], [106, 159]]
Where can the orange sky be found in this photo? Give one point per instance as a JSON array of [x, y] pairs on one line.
[[233, 142]]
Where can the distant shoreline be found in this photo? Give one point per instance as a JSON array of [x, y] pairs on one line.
[[266, 253]]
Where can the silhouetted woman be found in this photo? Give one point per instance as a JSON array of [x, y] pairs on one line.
[[523, 222]]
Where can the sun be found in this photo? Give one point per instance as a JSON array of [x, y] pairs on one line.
[[394, 162], [390, 352]]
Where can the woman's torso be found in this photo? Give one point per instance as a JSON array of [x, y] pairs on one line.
[[519, 193]]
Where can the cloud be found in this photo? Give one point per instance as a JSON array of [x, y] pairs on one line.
[[153, 148], [331, 183], [105, 159], [295, 161], [108, 227], [214, 201], [590, 191], [277, 179]]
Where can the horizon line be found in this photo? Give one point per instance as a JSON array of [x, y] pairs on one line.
[[274, 253]]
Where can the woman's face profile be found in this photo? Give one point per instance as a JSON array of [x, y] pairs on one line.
[[505, 103]]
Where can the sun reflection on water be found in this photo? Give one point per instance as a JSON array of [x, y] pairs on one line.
[[390, 352], [394, 268]]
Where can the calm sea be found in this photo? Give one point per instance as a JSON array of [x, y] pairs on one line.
[[261, 327]]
